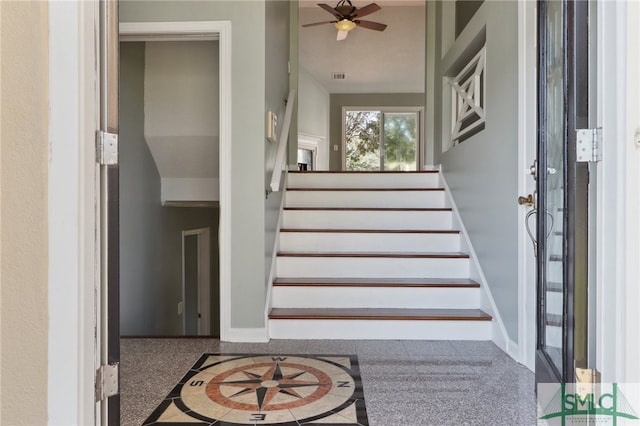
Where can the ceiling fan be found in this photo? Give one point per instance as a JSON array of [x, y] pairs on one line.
[[348, 17]]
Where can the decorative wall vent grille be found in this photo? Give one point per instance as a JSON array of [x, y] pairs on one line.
[[467, 99], [338, 76]]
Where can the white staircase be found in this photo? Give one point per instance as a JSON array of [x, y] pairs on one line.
[[372, 256]]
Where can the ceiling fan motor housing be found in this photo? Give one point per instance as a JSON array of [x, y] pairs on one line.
[[345, 10]]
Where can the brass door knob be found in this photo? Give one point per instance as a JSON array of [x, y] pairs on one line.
[[528, 200]]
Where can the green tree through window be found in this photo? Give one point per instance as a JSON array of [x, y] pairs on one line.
[[369, 149]]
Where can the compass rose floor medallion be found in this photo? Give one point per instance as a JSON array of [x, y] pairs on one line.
[[285, 390]]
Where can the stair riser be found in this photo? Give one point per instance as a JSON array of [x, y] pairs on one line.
[[366, 297], [332, 267], [415, 199], [339, 219], [380, 329], [362, 242], [363, 180]]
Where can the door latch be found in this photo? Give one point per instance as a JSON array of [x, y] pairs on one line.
[[526, 201]]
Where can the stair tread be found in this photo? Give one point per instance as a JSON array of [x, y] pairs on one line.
[[375, 209], [380, 314], [438, 255], [377, 282], [373, 231], [364, 189]]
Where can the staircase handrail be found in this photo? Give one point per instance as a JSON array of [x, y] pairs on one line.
[[279, 164]]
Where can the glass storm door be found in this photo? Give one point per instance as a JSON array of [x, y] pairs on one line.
[[381, 140], [562, 185]]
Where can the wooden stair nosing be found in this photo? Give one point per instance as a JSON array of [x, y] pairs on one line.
[[377, 282], [340, 189], [379, 314], [372, 231], [374, 209], [362, 171], [397, 255]]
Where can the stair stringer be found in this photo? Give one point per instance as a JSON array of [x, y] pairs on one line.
[[487, 302]]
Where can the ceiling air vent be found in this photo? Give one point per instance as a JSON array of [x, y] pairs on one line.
[[338, 76]]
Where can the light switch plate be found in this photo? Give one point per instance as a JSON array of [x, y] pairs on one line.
[[272, 126]]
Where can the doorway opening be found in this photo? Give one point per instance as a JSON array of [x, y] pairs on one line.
[[196, 283], [169, 185]]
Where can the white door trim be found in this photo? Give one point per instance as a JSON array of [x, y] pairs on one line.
[[527, 135], [72, 213], [221, 31]]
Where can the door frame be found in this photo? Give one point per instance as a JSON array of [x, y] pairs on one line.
[[207, 30], [204, 280]]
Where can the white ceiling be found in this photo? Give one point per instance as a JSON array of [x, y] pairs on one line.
[[391, 61]]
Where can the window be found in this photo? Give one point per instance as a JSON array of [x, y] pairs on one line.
[[381, 139]]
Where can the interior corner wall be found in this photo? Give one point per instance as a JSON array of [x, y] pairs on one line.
[[338, 101], [276, 91], [313, 111], [247, 131], [140, 214], [482, 171]]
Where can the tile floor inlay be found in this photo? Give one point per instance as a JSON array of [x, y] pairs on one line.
[[256, 389]]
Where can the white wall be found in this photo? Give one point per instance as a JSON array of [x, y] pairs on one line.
[[482, 171], [313, 114], [181, 124], [181, 88], [276, 80], [247, 132]]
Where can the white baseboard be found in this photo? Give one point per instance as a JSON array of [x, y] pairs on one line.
[[247, 335]]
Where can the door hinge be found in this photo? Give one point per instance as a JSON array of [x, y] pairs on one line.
[[106, 148], [589, 145], [107, 381]]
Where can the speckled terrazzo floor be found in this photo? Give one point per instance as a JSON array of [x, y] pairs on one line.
[[405, 382]]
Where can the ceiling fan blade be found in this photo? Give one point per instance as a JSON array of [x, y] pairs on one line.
[[366, 10], [371, 25], [331, 10], [319, 23], [342, 35]]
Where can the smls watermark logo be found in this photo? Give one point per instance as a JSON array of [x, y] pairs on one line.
[[603, 403]]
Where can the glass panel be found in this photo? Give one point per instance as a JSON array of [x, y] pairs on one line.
[[400, 141], [362, 139], [554, 190]]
